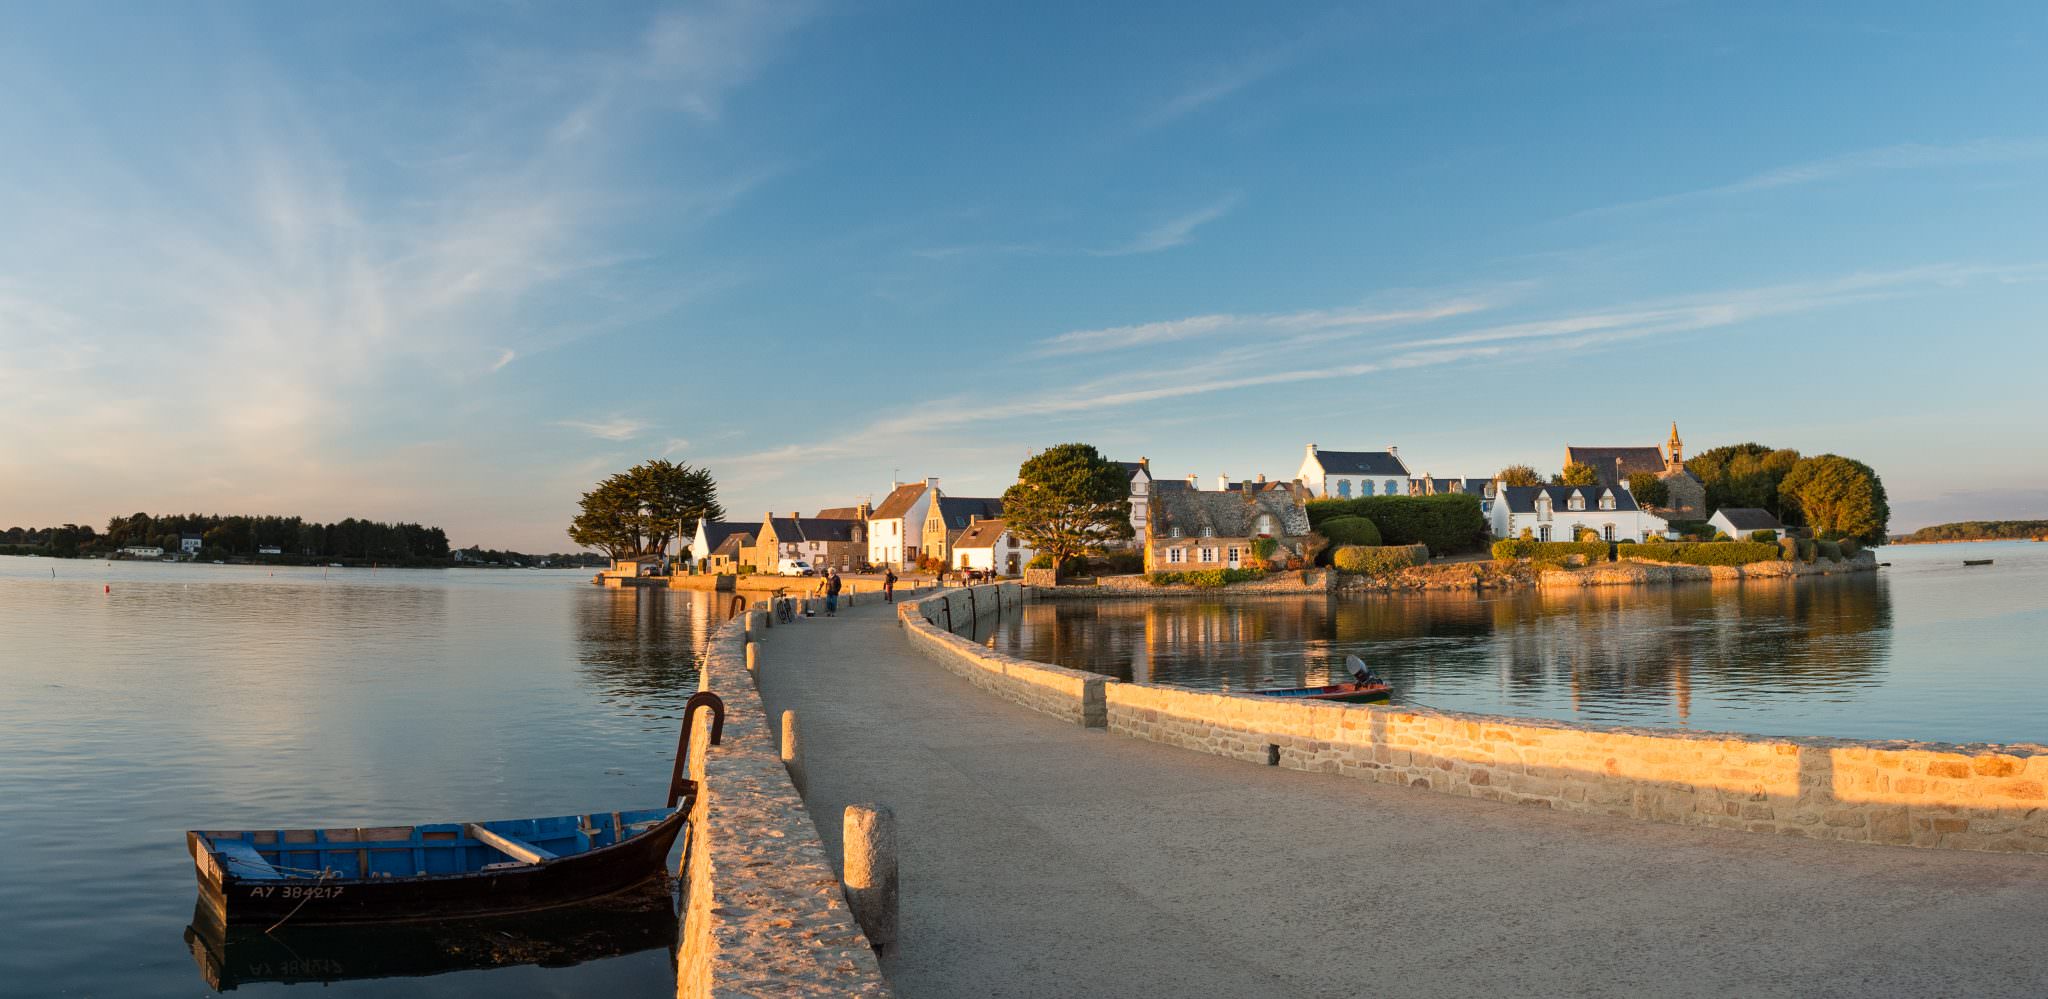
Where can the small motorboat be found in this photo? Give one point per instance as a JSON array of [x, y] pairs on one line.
[[1363, 686], [428, 871], [1351, 691]]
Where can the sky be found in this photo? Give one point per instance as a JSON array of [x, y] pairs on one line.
[[453, 263]]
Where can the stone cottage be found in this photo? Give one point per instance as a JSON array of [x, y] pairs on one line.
[[1194, 529], [1613, 466]]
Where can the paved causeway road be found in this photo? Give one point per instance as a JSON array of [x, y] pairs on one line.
[[1042, 859]]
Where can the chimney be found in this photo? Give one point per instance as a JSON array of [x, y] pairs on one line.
[[1223, 481], [862, 511], [931, 482], [796, 515], [1262, 478], [1391, 449], [1145, 463], [1192, 484], [973, 519], [1311, 450]]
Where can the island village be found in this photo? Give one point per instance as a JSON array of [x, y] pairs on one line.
[[1361, 512]]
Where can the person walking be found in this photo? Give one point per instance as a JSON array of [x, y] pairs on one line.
[[832, 585], [889, 586]]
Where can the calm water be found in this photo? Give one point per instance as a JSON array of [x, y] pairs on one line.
[[229, 697], [1926, 649]]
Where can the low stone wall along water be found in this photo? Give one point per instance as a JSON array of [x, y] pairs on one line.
[[1895, 793]]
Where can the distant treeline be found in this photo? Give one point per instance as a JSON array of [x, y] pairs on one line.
[[236, 536], [554, 560], [1981, 530]]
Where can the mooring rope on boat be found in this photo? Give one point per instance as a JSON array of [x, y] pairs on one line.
[[324, 875]]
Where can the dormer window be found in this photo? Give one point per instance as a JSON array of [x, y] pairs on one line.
[[1577, 502], [1607, 501]]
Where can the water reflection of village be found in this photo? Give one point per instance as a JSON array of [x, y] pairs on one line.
[[1614, 654], [638, 646]]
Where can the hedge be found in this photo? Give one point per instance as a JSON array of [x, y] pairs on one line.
[[1447, 523], [1510, 549], [1850, 547], [1356, 531], [1766, 536], [1205, 577], [1375, 560], [1702, 552], [1830, 550]]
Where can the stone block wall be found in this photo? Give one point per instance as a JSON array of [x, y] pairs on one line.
[[763, 914], [1902, 794], [1069, 694]]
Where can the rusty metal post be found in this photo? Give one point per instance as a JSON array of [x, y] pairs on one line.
[[869, 842], [679, 782]]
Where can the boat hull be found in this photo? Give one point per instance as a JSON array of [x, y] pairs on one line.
[[1344, 692], [500, 890]]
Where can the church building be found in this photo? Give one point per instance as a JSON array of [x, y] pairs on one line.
[[1613, 466]]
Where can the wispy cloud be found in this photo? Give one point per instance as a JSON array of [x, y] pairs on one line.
[[1908, 156], [616, 428], [505, 356], [1221, 83], [1173, 232], [1193, 327]]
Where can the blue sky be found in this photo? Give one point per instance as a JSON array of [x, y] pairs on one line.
[[452, 263]]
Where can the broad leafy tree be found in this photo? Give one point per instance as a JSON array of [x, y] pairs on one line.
[[1837, 498], [1069, 502], [1746, 475], [1519, 475], [1577, 473], [1648, 489], [640, 510]]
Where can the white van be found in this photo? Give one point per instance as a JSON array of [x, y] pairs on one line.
[[794, 567]]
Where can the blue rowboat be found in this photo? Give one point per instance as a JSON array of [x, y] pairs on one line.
[[428, 871]]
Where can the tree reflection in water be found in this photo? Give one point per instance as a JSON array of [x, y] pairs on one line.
[[1610, 654], [638, 646]]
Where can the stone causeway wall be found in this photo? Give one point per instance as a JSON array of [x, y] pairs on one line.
[[763, 911], [1978, 797], [1070, 694]]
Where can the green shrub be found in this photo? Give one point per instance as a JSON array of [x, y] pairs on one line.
[[1691, 529], [1702, 552], [1830, 550], [1851, 547], [1378, 560], [1764, 536], [1807, 550], [1722, 536], [1447, 523], [1042, 560], [1113, 564], [1209, 578], [1350, 531], [1558, 551]]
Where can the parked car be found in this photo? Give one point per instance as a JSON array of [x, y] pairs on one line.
[[795, 567]]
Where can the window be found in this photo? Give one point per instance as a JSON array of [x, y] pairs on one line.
[[1365, 488], [1230, 555], [1176, 555], [1208, 554], [1607, 532], [1393, 488], [1577, 502], [1607, 502], [1344, 488], [1543, 533], [1267, 526]]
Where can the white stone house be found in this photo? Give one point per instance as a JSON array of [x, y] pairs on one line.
[[891, 542], [1739, 522], [1141, 494], [989, 544], [1347, 474], [189, 544], [143, 551], [1558, 513]]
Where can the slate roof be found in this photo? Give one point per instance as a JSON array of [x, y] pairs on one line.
[[898, 502], [1749, 518], [1522, 499], [839, 513], [788, 529], [715, 533], [1134, 467], [1612, 464], [1434, 486], [730, 547], [1227, 514], [981, 534], [1361, 463], [959, 511]]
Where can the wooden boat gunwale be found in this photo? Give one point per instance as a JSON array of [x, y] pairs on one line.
[[1347, 690]]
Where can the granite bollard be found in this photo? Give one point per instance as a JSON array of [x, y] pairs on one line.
[[869, 842]]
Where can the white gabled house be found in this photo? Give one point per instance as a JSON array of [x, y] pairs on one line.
[[1141, 493], [711, 536], [891, 542], [988, 544], [1558, 513], [1346, 474], [1739, 522]]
